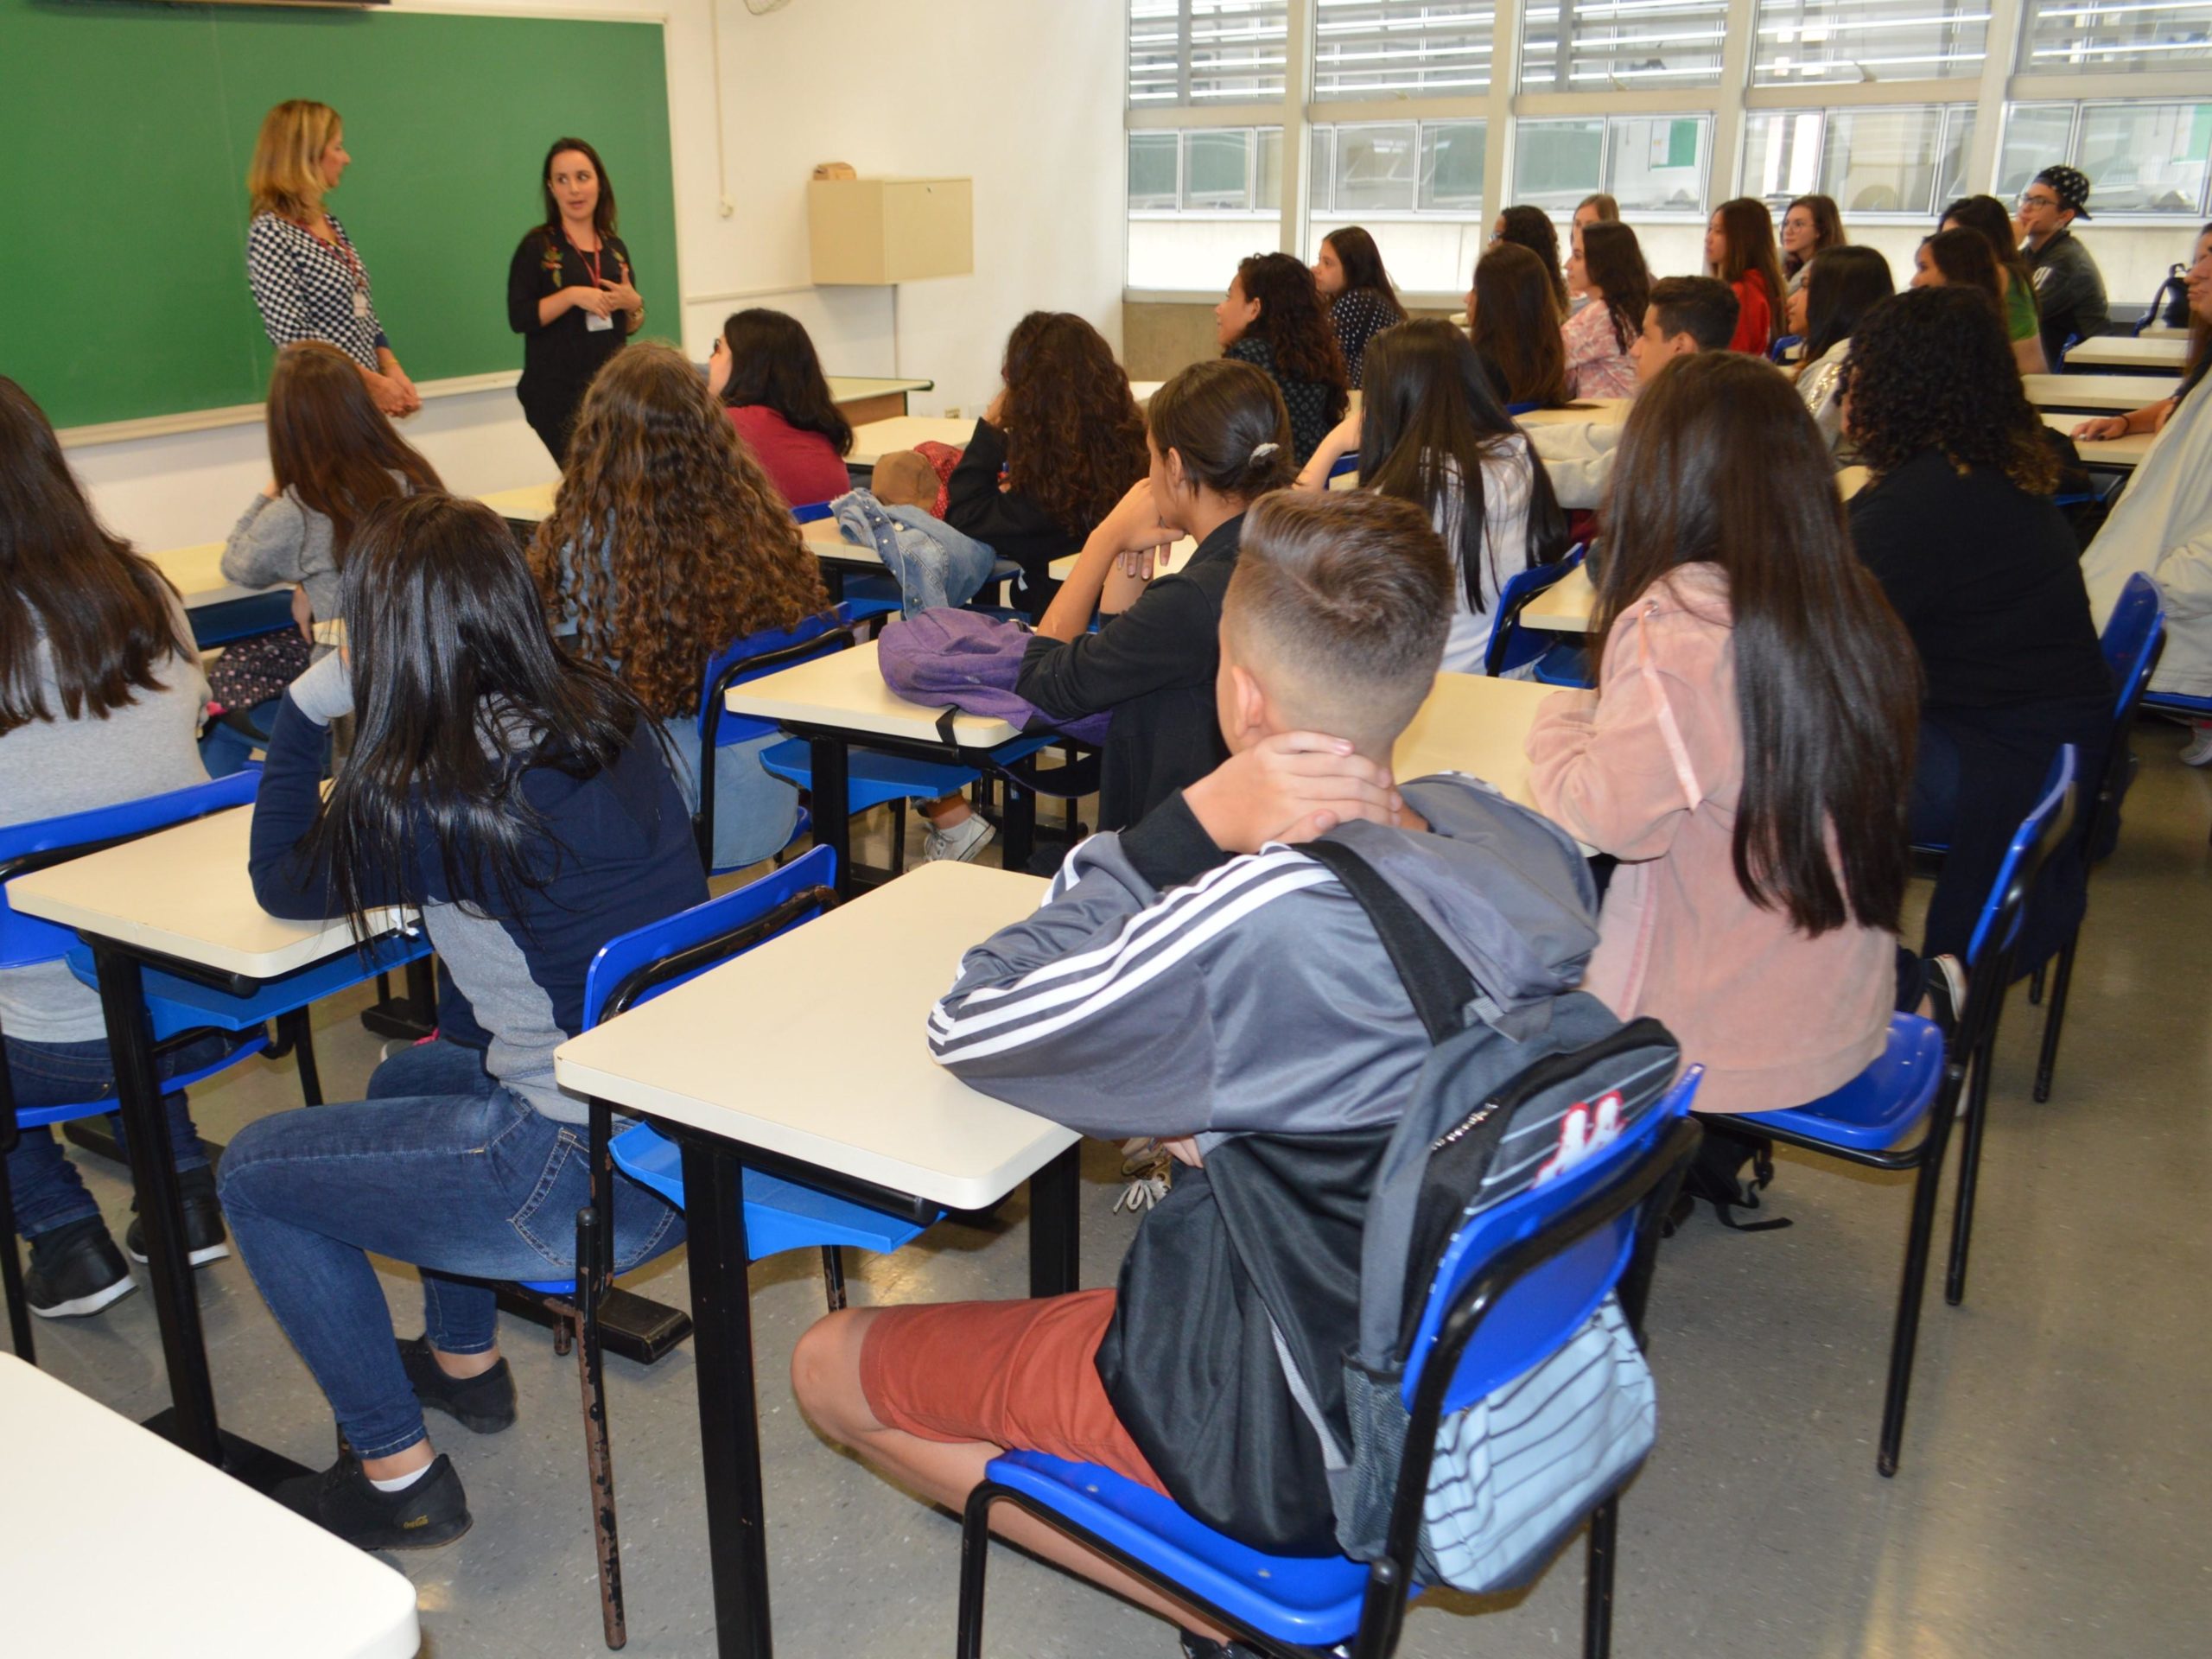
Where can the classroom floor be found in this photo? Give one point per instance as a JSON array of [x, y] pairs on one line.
[[2050, 1501]]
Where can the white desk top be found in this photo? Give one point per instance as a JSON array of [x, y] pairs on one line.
[[2141, 351], [2111, 393], [530, 503], [1597, 411], [756, 1052], [879, 438], [2126, 452], [851, 388], [1142, 390], [823, 541], [183, 892], [116, 1542], [1474, 724], [197, 573], [844, 689]]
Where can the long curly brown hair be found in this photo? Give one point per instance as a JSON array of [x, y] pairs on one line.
[[698, 548], [1295, 325], [1074, 435], [1931, 369]]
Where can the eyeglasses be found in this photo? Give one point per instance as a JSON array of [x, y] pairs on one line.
[[2029, 199]]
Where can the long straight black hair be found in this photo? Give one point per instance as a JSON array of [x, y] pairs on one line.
[[772, 363], [1844, 283], [108, 619], [459, 691], [1720, 463], [1428, 423]]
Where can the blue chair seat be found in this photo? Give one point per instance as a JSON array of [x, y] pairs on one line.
[[871, 779], [1564, 664], [177, 1005], [1309, 1601], [864, 597], [1884, 1104]]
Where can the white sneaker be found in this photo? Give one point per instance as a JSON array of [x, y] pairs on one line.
[[2199, 752], [963, 842]]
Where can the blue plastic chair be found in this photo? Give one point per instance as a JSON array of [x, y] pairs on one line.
[[179, 1011], [1780, 351], [1513, 646], [873, 780], [1513, 1283], [2135, 635], [780, 1215], [1914, 1084]]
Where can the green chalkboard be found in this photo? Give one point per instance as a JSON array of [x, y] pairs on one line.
[[129, 128]]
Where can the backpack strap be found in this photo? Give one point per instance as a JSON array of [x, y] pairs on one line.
[[1434, 978]]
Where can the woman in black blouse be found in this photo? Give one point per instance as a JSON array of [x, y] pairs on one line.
[[1959, 528], [1358, 292], [1273, 318], [571, 292]]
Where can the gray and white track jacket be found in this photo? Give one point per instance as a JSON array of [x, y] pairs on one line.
[[1165, 988]]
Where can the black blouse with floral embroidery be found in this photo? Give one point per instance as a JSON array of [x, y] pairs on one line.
[[560, 358]]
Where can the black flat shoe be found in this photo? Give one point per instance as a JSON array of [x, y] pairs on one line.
[[344, 1501], [482, 1404]]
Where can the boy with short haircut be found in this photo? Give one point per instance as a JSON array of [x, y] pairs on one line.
[[1196, 977], [1686, 314]]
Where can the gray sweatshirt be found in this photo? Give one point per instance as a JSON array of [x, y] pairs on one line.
[[281, 539], [49, 768], [1138, 1000]]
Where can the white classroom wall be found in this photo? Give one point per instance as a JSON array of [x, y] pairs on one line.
[[1024, 98]]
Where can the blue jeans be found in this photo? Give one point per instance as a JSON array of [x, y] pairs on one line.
[[47, 1191], [440, 1166]]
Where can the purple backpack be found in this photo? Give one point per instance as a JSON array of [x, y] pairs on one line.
[[970, 661]]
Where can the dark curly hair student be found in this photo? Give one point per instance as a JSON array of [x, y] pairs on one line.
[[1272, 317], [1075, 436], [1931, 369]]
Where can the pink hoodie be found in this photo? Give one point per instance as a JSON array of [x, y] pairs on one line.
[[1649, 769]]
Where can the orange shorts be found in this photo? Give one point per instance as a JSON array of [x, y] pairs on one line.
[[1013, 1374]]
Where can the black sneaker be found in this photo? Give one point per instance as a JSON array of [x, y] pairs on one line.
[[75, 1271], [483, 1405], [343, 1500], [203, 1222]]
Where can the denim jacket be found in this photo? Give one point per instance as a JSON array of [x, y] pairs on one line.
[[933, 563]]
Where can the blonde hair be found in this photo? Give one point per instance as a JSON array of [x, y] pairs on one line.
[[286, 176]]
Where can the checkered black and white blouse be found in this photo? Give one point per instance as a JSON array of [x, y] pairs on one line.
[[306, 288]]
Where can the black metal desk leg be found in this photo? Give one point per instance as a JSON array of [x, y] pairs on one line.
[[833, 822], [160, 1207], [1053, 1265], [1020, 821], [729, 1424]]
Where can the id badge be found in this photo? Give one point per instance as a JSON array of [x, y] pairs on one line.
[[361, 305], [595, 324]]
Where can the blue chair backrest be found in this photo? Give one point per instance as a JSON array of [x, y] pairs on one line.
[[811, 512], [1999, 925], [2130, 639], [1345, 464], [1523, 409], [1548, 1304], [1779, 351], [25, 939], [1522, 586], [735, 728], [621, 958]]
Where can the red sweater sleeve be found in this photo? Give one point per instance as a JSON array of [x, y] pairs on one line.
[[1754, 315]]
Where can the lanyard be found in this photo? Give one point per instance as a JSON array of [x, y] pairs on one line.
[[590, 260]]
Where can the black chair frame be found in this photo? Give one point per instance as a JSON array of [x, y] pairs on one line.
[[1649, 1188], [576, 1319], [1966, 1069], [702, 820]]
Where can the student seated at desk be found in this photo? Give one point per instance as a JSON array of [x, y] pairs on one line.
[[1959, 528], [333, 455], [1842, 285], [2152, 417], [764, 370], [1755, 907], [1219, 440], [1272, 318], [2163, 525], [1229, 984], [520, 800], [100, 700], [1430, 431], [666, 544], [1739, 250], [1513, 317], [1607, 268], [1058, 447]]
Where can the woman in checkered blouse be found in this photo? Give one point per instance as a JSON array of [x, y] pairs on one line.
[[307, 279]]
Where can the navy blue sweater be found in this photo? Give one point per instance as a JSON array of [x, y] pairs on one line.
[[618, 854]]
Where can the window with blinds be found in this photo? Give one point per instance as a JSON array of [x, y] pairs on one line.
[[1401, 48], [1206, 51], [2141, 158], [1801, 42], [1596, 46], [2060, 37], [1872, 161]]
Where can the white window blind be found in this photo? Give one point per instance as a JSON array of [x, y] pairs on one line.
[[1397, 48], [1595, 45], [2071, 37], [1198, 52], [1808, 41]]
